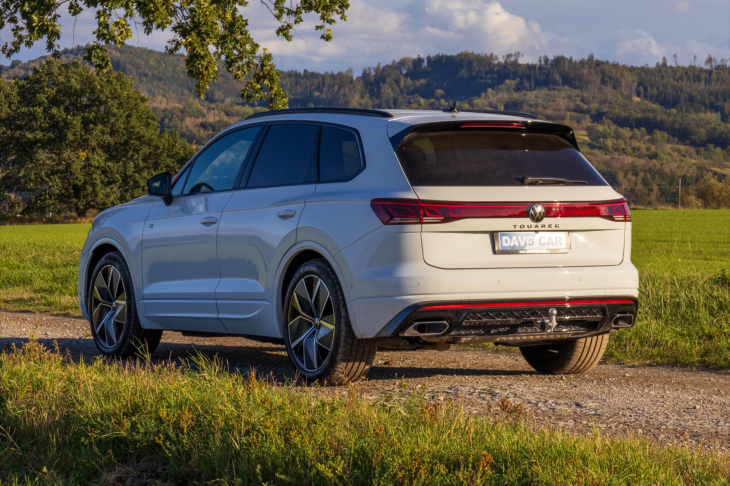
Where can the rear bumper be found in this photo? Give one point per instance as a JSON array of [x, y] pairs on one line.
[[515, 322], [384, 274]]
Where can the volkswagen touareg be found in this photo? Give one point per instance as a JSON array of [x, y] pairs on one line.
[[338, 231]]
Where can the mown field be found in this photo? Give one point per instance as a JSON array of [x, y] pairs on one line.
[[683, 258]]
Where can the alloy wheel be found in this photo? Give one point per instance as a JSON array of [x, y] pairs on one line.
[[109, 306], [311, 323]]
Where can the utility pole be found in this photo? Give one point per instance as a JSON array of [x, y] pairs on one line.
[[680, 193]]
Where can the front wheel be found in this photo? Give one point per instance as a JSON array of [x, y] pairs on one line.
[[569, 357], [112, 308], [319, 337]]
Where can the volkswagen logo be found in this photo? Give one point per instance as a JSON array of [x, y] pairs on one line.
[[536, 213]]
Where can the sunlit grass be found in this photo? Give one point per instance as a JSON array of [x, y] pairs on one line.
[[39, 266], [134, 423]]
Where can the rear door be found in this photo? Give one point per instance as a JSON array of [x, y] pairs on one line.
[[478, 184], [259, 225]]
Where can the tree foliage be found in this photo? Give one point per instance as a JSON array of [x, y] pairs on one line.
[[72, 139], [207, 32]]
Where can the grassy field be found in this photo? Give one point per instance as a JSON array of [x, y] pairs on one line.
[[108, 423], [683, 259]]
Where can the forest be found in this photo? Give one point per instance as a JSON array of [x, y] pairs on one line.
[[644, 127]]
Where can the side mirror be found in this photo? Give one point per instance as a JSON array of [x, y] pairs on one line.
[[160, 185]]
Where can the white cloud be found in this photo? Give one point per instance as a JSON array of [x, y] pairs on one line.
[[682, 6], [639, 47], [378, 33]]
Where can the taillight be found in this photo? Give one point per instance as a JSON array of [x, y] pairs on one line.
[[397, 211], [411, 211], [613, 210]]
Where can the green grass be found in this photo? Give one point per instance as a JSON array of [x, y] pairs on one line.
[[684, 312], [39, 266], [68, 423], [681, 242], [683, 259]]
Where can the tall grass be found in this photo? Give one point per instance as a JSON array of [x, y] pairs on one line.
[[67, 423], [683, 318]]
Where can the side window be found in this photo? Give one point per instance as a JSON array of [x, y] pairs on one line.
[[177, 187], [286, 156], [217, 167], [339, 155]]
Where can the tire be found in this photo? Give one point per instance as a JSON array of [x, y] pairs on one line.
[[112, 308], [314, 324], [566, 358]]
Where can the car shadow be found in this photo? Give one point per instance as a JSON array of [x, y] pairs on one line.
[[266, 361]]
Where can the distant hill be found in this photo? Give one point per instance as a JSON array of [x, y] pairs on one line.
[[643, 127]]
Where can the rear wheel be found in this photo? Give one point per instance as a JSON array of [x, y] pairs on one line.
[[318, 334], [569, 357], [114, 321]]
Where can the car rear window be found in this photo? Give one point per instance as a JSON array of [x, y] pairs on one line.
[[466, 157]]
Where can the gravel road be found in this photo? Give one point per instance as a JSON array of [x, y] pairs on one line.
[[666, 404]]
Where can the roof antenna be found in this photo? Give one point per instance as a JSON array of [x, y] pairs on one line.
[[452, 108]]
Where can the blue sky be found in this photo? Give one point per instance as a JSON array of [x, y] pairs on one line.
[[628, 31]]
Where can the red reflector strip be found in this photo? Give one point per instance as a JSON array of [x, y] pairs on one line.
[[493, 125], [486, 305]]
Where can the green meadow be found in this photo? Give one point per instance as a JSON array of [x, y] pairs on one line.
[[683, 258]]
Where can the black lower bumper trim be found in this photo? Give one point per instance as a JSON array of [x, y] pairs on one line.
[[507, 320]]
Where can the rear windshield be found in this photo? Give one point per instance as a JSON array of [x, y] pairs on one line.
[[491, 158]]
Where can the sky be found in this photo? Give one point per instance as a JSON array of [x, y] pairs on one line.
[[378, 31]]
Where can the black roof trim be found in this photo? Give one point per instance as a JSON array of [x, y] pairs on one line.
[[340, 111], [522, 114]]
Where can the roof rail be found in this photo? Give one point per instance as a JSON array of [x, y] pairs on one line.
[[341, 111], [501, 112]]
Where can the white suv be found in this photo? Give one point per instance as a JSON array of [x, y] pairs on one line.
[[338, 231]]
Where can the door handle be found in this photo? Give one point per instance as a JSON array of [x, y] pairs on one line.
[[287, 213], [209, 221]]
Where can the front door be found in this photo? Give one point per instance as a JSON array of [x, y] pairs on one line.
[[179, 256]]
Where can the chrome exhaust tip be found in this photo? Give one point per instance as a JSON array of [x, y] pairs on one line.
[[622, 321], [426, 328]]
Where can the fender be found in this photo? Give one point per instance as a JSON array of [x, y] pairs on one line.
[[286, 260], [122, 248]]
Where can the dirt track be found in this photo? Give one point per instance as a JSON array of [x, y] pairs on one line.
[[663, 403]]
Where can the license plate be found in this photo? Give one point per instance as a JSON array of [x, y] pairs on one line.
[[532, 242]]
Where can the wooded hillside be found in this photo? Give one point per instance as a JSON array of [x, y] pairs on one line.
[[642, 127]]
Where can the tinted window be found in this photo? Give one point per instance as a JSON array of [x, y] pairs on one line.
[[339, 155], [286, 156], [217, 167], [177, 187], [491, 158]]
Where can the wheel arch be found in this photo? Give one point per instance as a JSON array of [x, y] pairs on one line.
[[102, 247], [299, 254]]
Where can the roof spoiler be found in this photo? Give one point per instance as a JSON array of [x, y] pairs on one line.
[[562, 131]]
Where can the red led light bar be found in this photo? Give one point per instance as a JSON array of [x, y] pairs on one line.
[[413, 211], [553, 303], [493, 125]]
